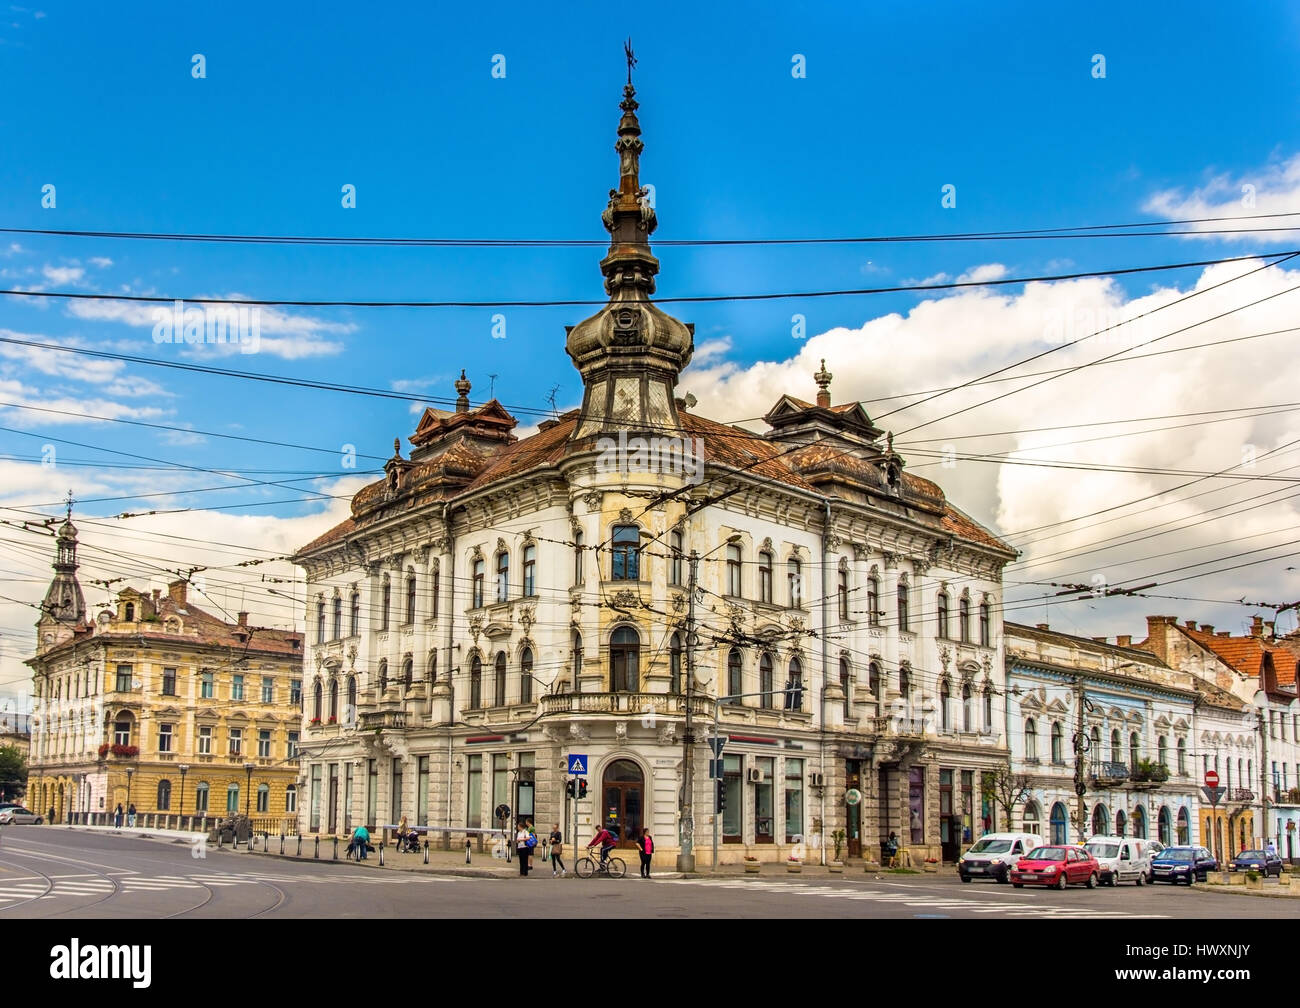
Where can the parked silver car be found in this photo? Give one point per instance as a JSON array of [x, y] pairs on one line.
[[17, 815]]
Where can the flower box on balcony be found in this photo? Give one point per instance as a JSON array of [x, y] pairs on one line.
[[125, 751], [103, 750]]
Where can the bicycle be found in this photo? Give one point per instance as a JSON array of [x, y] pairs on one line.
[[588, 867]]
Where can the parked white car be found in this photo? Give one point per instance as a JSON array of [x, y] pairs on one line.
[[994, 855], [1122, 859]]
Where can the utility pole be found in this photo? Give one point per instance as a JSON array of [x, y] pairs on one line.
[[1080, 780], [686, 858]]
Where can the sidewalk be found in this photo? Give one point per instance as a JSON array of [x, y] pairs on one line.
[[1271, 890]]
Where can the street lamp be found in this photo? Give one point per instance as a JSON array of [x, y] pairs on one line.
[[184, 768], [248, 786], [686, 859]]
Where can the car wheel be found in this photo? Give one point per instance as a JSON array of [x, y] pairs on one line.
[[39, 820], [1005, 875], [1060, 881], [1092, 881], [1141, 879], [1017, 885], [965, 878]]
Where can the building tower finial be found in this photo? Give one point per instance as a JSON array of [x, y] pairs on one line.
[[823, 380], [462, 393], [631, 59]]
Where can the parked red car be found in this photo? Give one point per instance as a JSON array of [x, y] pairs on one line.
[[1057, 866]]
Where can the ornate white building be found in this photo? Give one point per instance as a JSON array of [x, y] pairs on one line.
[[496, 605]]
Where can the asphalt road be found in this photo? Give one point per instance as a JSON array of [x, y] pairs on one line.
[[52, 873]]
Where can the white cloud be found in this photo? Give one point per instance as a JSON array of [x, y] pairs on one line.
[[101, 262], [1274, 188], [63, 276]]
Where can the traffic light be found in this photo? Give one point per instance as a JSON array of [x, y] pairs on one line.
[[582, 787], [720, 797], [569, 788]]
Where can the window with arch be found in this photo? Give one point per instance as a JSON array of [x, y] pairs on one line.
[[846, 686], [626, 545], [986, 630], [530, 570], [905, 687], [578, 575], [675, 557], [431, 670], [320, 622], [1094, 745], [1031, 739], [232, 798], [1162, 752], [352, 698], [526, 676], [164, 795], [1121, 823], [1060, 822], [1182, 757], [873, 601], [624, 660], [334, 699], [354, 618], [1058, 755], [945, 698], [130, 612], [1164, 826], [765, 577], [1133, 749], [476, 682], [201, 792], [291, 798], [499, 681], [1100, 820], [386, 601], [410, 599], [383, 674], [734, 675], [1184, 827], [733, 571], [675, 664], [577, 662], [943, 614], [316, 700], [263, 798], [963, 619], [1033, 818], [794, 686], [435, 583], [903, 616], [842, 592], [766, 680], [794, 581], [873, 684], [1116, 750], [338, 617], [967, 715], [988, 706], [408, 672], [1140, 823], [476, 597], [503, 576]]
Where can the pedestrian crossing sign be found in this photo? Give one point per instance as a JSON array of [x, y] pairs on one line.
[[578, 764]]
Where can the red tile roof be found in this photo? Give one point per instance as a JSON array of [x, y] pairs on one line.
[[1247, 654]]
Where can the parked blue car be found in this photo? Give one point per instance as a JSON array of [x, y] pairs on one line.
[[1183, 864]]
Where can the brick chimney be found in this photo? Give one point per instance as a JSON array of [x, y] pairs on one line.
[[243, 619], [1157, 641], [1100, 640], [1268, 629], [1124, 640], [1041, 626], [1190, 624], [176, 592], [1257, 626], [156, 595]]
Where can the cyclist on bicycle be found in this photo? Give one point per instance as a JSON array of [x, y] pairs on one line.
[[606, 840]]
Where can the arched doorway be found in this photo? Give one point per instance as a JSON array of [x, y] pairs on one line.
[[1164, 828], [1100, 821], [1060, 824], [1140, 823], [1121, 823], [1184, 828], [622, 791]]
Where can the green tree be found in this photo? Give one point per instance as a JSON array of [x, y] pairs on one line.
[[13, 771]]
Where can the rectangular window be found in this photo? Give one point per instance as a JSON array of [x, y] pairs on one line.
[[967, 805], [263, 798], [236, 687], [372, 792], [793, 800], [474, 791], [873, 601], [268, 690], [291, 799], [626, 565], [948, 829], [264, 743], [347, 795], [422, 791], [236, 741], [903, 608], [842, 590], [500, 782], [295, 693], [675, 558], [395, 795], [169, 682], [122, 733], [206, 686], [433, 595], [733, 571], [354, 617], [164, 738], [530, 571], [387, 603], [205, 740], [579, 575], [124, 678], [795, 579], [503, 576], [315, 798], [293, 745], [477, 601], [526, 793], [733, 814], [916, 804], [763, 790], [765, 578]]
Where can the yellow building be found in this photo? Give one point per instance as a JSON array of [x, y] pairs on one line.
[[158, 704]]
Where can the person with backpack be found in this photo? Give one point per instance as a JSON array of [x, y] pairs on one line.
[[646, 845], [524, 843]]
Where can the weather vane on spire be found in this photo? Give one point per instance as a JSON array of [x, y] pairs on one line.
[[631, 59], [70, 503]]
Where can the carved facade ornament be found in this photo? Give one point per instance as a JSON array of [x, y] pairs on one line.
[[945, 656], [476, 553], [627, 599], [440, 545], [579, 732], [395, 561], [620, 730], [476, 627], [737, 615], [527, 617], [592, 500], [834, 542], [767, 543], [625, 515], [860, 552], [667, 733], [922, 567], [678, 602], [891, 561], [501, 545], [352, 655], [796, 624]]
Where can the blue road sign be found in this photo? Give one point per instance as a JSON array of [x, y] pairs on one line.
[[716, 743], [578, 764]]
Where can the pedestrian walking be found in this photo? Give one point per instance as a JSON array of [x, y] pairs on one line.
[[130, 815], [557, 850], [646, 845], [523, 849], [117, 816]]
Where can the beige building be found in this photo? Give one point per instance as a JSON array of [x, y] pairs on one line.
[[159, 704]]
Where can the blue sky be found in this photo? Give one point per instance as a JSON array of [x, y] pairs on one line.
[[298, 101]]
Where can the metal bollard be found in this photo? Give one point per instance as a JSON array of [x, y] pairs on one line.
[[336, 848], [218, 839], [381, 853], [316, 853], [426, 852], [467, 849], [299, 854], [281, 841]]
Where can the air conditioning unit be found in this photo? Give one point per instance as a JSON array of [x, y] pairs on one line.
[[817, 779], [755, 775]]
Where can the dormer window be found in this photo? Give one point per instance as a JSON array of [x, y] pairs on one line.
[[129, 615]]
